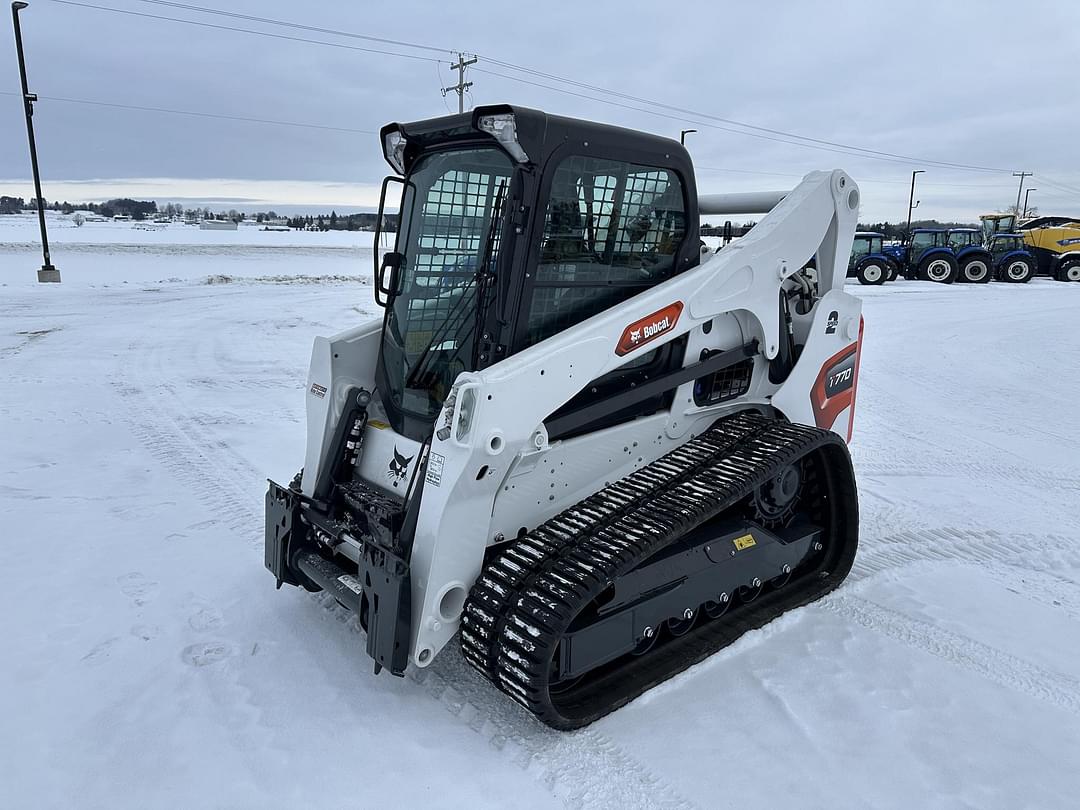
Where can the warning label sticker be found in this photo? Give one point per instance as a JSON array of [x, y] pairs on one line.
[[434, 469], [744, 542]]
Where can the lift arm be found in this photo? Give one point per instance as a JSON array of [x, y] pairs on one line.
[[493, 415]]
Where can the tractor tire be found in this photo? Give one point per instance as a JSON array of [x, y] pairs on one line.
[[892, 273], [975, 271], [871, 273], [941, 269], [1018, 271], [1069, 270]]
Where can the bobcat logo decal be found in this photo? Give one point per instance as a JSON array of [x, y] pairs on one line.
[[647, 329], [399, 467]]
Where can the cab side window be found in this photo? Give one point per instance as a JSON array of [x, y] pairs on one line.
[[611, 229]]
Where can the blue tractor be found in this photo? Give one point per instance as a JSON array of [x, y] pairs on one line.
[[927, 256], [1013, 261], [869, 262], [976, 263]]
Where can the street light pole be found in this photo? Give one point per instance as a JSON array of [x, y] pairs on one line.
[[1026, 193], [47, 271], [683, 133], [911, 202]]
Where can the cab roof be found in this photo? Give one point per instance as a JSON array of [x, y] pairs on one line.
[[540, 134]]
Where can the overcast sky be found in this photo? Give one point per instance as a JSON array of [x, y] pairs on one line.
[[980, 83]]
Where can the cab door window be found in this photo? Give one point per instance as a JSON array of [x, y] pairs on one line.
[[611, 229], [859, 248]]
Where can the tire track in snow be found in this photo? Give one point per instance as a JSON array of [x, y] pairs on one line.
[[581, 769], [973, 470], [190, 464], [1028, 552], [1048, 589], [1007, 670]]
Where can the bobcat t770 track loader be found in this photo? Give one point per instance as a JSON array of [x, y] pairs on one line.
[[590, 447]]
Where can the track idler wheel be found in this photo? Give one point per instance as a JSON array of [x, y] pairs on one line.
[[716, 609], [681, 626], [748, 593]]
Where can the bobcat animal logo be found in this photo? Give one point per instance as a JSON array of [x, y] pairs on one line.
[[399, 467], [635, 335]]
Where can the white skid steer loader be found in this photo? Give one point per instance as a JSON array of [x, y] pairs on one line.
[[591, 447]]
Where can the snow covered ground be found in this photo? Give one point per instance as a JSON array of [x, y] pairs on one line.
[[149, 662]]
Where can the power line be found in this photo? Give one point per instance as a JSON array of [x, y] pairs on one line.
[[561, 79], [1042, 178], [793, 139], [299, 26], [326, 127], [755, 127], [861, 181], [667, 116], [196, 113], [246, 31]]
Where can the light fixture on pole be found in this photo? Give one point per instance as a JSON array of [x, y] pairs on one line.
[[912, 204], [47, 271], [1026, 193], [683, 133]]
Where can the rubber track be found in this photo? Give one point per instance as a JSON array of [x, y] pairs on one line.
[[526, 597]]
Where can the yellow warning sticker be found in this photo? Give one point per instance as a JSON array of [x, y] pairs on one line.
[[377, 424], [744, 542]]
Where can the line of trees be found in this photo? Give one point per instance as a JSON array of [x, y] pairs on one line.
[[11, 205], [896, 230], [136, 209], [346, 222], [141, 209]]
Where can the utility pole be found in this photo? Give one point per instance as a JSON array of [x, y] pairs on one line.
[[461, 85], [911, 205], [1026, 193], [47, 271], [1020, 190], [683, 133]]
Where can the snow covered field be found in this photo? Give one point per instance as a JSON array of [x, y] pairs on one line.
[[149, 662]]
